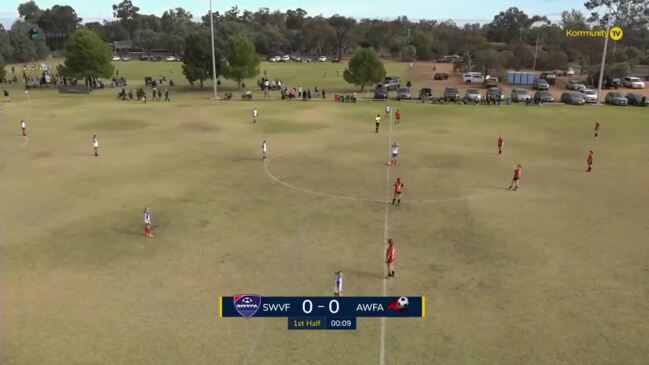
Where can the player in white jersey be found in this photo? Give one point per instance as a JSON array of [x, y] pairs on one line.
[[338, 285], [95, 145], [264, 150], [388, 110], [395, 154], [255, 114], [23, 127], [147, 223]]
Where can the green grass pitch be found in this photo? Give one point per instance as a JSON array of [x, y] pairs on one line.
[[554, 273]]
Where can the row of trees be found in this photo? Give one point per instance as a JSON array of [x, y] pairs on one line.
[[513, 39]]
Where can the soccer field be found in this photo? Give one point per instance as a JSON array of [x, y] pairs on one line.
[[556, 272]]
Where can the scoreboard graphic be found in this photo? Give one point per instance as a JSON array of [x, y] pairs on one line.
[[321, 313]]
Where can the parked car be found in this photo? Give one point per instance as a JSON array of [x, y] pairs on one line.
[[544, 96], [491, 82], [615, 98], [449, 59], [473, 77], [392, 83], [335, 60], [380, 92], [607, 83], [633, 82], [637, 99], [170, 59], [145, 58], [541, 85], [404, 94], [575, 85], [285, 58], [590, 95], [570, 71], [125, 58], [451, 94], [275, 59], [519, 95], [440, 76], [573, 98], [425, 93], [322, 59], [550, 77], [472, 96], [495, 94], [117, 58]]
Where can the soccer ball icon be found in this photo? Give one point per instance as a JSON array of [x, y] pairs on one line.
[[246, 300], [402, 302]]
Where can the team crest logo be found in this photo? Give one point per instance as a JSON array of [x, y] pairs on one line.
[[247, 305]]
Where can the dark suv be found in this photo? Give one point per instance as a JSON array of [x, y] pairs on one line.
[[451, 94], [637, 99], [381, 92], [550, 77], [541, 85]]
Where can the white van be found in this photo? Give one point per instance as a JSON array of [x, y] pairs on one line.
[[474, 77]]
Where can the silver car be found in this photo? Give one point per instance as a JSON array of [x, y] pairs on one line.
[[404, 94], [472, 95], [590, 95], [519, 95]]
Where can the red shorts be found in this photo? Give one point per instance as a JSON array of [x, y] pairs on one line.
[[516, 178]]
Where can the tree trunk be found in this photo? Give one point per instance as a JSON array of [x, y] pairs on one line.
[[201, 83], [362, 87]]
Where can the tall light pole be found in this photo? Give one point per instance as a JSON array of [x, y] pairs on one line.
[[213, 56], [601, 69]]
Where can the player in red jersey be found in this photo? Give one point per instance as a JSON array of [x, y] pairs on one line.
[[398, 189], [501, 143], [597, 128], [398, 116], [391, 257], [147, 223], [589, 161], [518, 171]]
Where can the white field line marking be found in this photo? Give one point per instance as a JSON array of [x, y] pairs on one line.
[[25, 142], [385, 243], [351, 198], [253, 347], [309, 191]]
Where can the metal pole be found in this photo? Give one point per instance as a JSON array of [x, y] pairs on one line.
[[601, 69], [213, 56]]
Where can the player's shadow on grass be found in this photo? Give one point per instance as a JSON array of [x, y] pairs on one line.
[[80, 154], [574, 170], [361, 273], [488, 187], [133, 231]]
